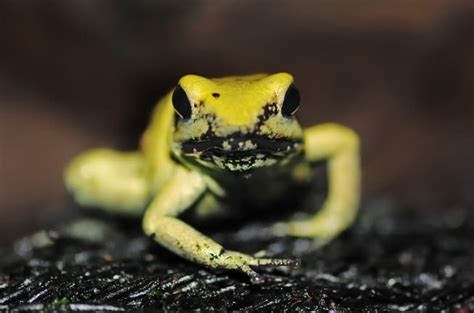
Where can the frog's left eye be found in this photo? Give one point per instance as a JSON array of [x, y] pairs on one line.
[[181, 103], [291, 102]]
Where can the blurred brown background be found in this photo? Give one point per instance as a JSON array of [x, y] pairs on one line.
[[78, 74]]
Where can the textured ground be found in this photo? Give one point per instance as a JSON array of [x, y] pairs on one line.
[[390, 260]]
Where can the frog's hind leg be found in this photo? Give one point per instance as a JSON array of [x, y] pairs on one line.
[[110, 180]]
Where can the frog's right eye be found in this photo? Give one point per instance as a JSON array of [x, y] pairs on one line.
[[181, 103], [291, 102]]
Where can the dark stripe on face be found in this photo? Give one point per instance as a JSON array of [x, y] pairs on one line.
[[237, 139]]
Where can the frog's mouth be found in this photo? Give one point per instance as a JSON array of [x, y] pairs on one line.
[[234, 144], [241, 153]]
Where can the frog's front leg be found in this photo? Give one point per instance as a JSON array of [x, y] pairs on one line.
[[340, 146], [178, 194]]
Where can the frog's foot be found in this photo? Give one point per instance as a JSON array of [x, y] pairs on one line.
[[244, 263], [322, 230], [325, 225]]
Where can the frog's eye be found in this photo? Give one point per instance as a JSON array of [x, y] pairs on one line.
[[181, 103], [291, 102]]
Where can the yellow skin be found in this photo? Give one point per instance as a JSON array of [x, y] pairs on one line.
[[227, 142]]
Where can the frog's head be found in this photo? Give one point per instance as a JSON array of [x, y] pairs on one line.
[[236, 124]]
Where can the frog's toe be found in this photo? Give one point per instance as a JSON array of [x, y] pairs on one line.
[[255, 278], [303, 228], [275, 262], [295, 229], [280, 229], [244, 263], [310, 228]]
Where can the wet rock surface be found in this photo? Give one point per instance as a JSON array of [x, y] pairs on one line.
[[391, 260]]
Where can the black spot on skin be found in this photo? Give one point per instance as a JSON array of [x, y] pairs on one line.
[[209, 134], [216, 95], [269, 110]]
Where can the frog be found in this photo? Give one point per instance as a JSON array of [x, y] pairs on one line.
[[217, 144]]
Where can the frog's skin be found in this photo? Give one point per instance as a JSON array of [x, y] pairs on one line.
[[224, 142]]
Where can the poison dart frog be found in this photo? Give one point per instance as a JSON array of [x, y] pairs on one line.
[[223, 143]]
